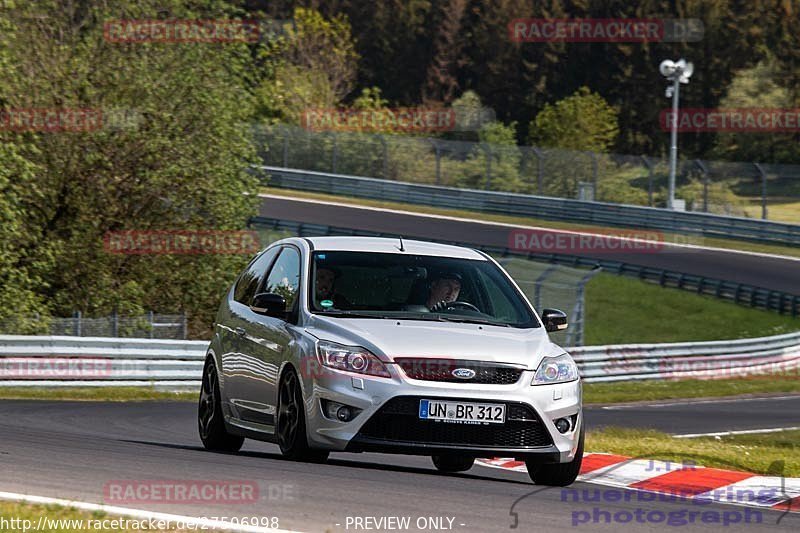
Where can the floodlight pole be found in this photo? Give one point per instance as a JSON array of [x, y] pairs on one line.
[[673, 143]]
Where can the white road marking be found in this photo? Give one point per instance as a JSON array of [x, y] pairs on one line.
[[519, 226], [735, 432], [690, 402], [141, 514]]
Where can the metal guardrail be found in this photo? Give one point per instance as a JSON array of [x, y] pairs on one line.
[[779, 354], [740, 293], [97, 361], [88, 361], [542, 207]]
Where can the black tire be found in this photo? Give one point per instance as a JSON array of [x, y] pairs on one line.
[[452, 463], [210, 421], [291, 422], [557, 474]]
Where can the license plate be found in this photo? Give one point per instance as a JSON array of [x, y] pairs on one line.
[[462, 411]]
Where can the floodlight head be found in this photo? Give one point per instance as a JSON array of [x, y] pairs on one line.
[[667, 68], [688, 70]]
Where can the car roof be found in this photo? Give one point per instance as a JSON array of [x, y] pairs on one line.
[[392, 245]]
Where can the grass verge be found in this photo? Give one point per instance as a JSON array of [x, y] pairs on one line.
[[749, 453], [623, 310], [105, 394], [653, 390], [529, 221]]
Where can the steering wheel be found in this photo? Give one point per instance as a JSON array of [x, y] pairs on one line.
[[441, 306]]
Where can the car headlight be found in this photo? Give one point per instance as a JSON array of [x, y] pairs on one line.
[[350, 358], [558, 369]]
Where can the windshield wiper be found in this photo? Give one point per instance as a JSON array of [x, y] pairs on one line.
[[471, 320]]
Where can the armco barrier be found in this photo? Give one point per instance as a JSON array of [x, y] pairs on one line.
[[541, 207], [775, 355], [44, 361], [741, 293], [94, 361]]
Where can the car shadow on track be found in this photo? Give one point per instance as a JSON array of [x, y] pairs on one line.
[[333, 462]]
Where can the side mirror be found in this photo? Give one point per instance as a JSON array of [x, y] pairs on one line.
[[269, 304], [554, 320]]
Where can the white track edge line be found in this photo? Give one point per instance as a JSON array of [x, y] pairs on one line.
[[519, 226], [735, 432], [690, 402], [140, 513]]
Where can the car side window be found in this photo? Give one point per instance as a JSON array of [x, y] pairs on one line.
[[248, 282], [284, 278]]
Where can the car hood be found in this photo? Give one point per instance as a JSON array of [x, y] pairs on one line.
[[390, 339]]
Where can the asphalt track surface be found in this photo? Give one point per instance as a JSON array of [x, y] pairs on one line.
[[73, 450], [773, 273], [679, 417]]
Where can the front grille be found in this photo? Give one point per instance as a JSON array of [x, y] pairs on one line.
[[399, 421], [442, 370]]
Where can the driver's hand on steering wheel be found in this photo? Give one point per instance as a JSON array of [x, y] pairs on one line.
[[439, 306]]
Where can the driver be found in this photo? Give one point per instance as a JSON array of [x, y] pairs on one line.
[[444, 289], [325, 288]]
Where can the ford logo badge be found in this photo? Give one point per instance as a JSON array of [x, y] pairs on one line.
[[463, 373]]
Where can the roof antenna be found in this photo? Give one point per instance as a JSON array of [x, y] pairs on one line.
[[402, 248]]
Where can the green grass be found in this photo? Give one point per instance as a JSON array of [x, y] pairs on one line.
[[781, 209], [530, 221], [106, 394], [623, 310], [651, 390], [750, 453]]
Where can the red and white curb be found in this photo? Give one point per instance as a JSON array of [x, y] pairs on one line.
[[680, 480]]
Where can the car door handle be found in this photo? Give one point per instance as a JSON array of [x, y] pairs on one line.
[[240, 331]]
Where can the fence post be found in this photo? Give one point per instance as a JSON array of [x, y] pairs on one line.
[[285, 146], [385, 150], [114, 323], [649, 166], [488, 151], [150, 318], [77, 316], [763, 175], [539, 170], [335, 151], [704, 170], [184, 323], [437, 151], [596, 194], [537, 289]]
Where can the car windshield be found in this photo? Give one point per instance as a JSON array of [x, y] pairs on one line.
[[418, 287]]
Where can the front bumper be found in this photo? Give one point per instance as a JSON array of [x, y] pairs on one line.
[[387, 422]]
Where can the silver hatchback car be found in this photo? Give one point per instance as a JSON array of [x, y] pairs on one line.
[[354, 344]]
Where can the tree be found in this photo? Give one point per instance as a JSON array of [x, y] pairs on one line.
[[757, 87], [182, 164], [312, 66], [583, 121]]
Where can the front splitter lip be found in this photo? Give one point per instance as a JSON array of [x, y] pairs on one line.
[[544, 454]]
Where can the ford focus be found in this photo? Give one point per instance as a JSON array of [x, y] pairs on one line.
[[352, 344]]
